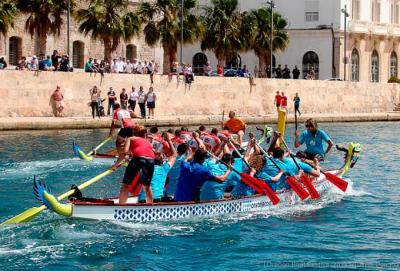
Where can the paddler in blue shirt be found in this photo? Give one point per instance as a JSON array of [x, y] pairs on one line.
[[161, 170], [193, 174], [315, 140]]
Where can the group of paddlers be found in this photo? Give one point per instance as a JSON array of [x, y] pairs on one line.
[[203, 165]]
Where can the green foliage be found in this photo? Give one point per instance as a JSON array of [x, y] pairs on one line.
[[8, 10], [394, 79]]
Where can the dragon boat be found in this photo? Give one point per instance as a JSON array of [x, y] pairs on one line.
[[110, 209]]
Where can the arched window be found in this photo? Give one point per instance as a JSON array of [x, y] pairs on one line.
[[235, 63], [374, 66], [131, 52], [15, 50], [199, 60], [355, 65], [78, 52], [310, 62], [393, 64]]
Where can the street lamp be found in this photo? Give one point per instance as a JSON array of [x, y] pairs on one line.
[[68, 31], [271, 38], [181, 32], [344, 11]]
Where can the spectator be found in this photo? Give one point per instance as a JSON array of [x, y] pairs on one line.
[[278, 71], [188, 74], [120, 65], [286, 73], [128, 67], [56, 101], [133, 97], [3, 63], [64, 64], [296, 72], [150, 71], [142, 102], [207, 69], [95, 100], [277, 101], [311, 74], [123, 97], [134, 66], [48, 64], [33, 64], [55, 59], [284, 102], [112, 97], [220, 70], [22, 64], [151, 102], [245, 71], [296, 101], [268, 71], [256, 71], [140, 68], [89, 65], [156, 67], [41, 62], [174, 70], [114, 66]]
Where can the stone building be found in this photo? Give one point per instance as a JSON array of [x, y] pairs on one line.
[[19, 43], [316, 31]]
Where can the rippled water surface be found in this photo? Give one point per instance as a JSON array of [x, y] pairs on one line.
[[356, 231]]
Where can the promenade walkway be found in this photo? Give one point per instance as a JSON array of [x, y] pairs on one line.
[[46, 123]]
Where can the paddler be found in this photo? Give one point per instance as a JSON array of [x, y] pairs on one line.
[[142, 163], [315, 139], [127, 124], [236, 126]]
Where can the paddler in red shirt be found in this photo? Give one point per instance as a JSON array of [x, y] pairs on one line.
[[142, 162], [124, 118]]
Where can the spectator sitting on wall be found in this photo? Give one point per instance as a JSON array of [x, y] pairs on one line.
[[296, 72], [286, 72], [220, 70], [22, 63], [89, 65], [48, 64], [33, 64], [245, 71], [188, 73], [140, 68], [278, 71], [3, 63], [41, 62], [150, 71], [207, 70], [64, 64], [55, 59]]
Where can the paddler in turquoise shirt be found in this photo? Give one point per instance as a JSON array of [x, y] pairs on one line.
[[315, 140]]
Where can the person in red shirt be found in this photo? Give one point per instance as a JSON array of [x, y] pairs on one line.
[[142, 163], [220, 70], [284, 102], [124, 118], [277, 101]]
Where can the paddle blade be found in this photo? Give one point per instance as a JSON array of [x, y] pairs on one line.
[[261, 187], [135, 186], [25, 216], [335, 180], [310, 187], [300, 191]]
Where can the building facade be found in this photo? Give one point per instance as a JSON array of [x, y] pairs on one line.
[[19, 43], [316, 30]]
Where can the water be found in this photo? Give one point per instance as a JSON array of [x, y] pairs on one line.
[[356, 231]]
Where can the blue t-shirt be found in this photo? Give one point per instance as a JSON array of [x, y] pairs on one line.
[[211, 189], [314, 143], [191, 178], [48, 63], [173, 176], [88, 66], [158, 181], [233, 177]]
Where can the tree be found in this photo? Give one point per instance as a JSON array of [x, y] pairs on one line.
[[7, 13], [109, 21], [262, 31], [44, 17], [162, 24], [222, 34]]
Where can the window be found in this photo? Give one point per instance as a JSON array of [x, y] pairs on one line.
[[78, 51], [199, 60], [355, 66], [393, 64], [374, 66], [310, 62], [394, 11], [131, 52], [356, 9], [311, 11], [376, 10], [15, 50]]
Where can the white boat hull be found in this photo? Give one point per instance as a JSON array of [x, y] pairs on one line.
[[174, 211]]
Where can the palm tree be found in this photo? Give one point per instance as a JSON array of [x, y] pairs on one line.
[[261, 43], [44, 17], [223, 25], [7, 13], [109, 21], [162, 24]]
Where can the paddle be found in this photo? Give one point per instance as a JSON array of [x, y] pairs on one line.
[[306, 181], [300, 191], [135, 186], [31, 213], [223, 115], [295, 118], [100, 145], [257, 182]]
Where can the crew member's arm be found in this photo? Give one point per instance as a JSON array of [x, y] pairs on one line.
[[223, 177], [296, 139], [198, 140], [112, 127], [121, 157], [172, 158], [330, 144], [277, 177]]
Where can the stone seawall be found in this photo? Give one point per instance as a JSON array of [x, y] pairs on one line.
[[26, 94]]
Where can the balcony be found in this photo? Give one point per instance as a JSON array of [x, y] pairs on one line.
[[376, 28]]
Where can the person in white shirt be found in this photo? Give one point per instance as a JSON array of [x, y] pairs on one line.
[[114, 66], [128, 67], [139, 68], [134, 66], [133, 97], [151, 101]]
